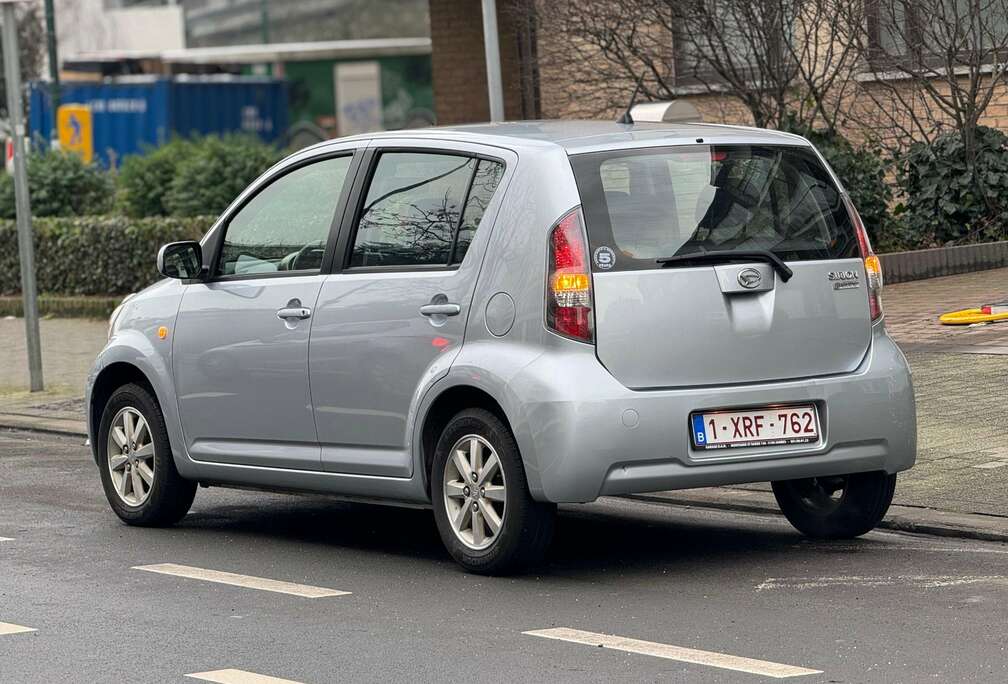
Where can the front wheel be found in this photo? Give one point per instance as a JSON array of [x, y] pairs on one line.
[[137, 469], [484, 512], [837, 507]]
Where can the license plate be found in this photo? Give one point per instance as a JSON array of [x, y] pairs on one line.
[[755, 427]]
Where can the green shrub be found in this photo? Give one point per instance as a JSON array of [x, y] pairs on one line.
[[144, 180], [94, 255], [950, 199], [209, 179], [60, 184]]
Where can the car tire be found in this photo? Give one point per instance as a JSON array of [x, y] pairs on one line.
[[501, 497], [138, 471], [841, 507]]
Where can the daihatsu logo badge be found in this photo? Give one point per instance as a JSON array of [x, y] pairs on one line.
[[749, 278]]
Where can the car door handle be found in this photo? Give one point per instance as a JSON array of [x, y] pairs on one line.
[[440, 309], [296, 312]]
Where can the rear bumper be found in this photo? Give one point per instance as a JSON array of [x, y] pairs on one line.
[[584, 435]]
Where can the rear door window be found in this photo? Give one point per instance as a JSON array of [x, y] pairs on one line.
[[645, 204], [484, 184], [423, 208]]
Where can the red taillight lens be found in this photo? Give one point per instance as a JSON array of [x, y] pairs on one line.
[[872, 264], [568, 285]]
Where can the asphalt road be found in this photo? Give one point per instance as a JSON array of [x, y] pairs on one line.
[[886, 608]]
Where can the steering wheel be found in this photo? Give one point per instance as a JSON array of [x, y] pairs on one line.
[[308, 257]]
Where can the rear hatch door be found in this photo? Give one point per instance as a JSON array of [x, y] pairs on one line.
[[731, 318]]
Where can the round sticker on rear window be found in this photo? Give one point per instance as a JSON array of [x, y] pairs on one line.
[[604, 257]]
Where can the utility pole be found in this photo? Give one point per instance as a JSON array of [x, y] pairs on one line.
[[12, 72], [264, 21], [491, 47], [54, 82]]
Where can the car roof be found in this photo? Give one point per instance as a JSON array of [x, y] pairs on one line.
[[589, 136]]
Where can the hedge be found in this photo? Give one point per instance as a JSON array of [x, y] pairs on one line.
[[57, 306], [93, 255]]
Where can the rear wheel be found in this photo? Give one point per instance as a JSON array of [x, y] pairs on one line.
[[837, 507], [137, 469], [485, 514]]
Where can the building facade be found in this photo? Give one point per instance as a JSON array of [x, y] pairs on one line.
[[549, 74]]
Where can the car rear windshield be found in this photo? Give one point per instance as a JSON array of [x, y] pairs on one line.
[[641, 205]]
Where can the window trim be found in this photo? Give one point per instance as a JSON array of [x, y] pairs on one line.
[[370, 163], [355, 155]]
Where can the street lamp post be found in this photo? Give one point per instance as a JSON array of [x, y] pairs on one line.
[[12, 72], [264, 21], [491, 47], [54, 80]]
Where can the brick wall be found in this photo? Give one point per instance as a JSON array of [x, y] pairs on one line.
[[459, 66], [568, 88], [590, 86]]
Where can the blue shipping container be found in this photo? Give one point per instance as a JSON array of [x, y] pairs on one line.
[[132, 114]]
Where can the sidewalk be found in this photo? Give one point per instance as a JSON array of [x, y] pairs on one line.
[[960, 378], [69, 346]]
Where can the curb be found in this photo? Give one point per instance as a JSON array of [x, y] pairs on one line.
[[901, 267], [33, 423], [915, 519]]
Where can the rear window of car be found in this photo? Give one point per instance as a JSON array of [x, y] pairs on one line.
[[641, 205]]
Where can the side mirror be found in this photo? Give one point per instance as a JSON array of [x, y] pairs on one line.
[[182, 260]]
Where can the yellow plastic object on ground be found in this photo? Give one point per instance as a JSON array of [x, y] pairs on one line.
[[987, 314]]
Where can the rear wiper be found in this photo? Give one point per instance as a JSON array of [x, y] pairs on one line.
[[727, 256]]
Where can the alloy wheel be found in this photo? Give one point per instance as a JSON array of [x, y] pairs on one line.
[[131, 456], [474, 492]]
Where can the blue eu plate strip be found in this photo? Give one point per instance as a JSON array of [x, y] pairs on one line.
[[699, 435]]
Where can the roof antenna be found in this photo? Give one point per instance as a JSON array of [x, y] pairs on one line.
[[626, 118]]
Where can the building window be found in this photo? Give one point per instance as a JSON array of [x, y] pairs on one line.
[[904, 34]]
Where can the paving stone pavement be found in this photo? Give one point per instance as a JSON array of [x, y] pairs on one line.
[[69, 346], [960, 379], [912, 311]]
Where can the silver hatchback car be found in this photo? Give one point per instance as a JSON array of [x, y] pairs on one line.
[[494, 319]]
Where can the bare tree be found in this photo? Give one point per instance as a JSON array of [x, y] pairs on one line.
[[781, 59], [932, 66], [785, 59]]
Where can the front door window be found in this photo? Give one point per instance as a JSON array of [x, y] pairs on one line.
[[286, 225]]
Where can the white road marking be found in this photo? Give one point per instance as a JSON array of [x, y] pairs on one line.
[[236, 580], [238, 677], [3, 539], [8, 628], [686, 655], [920, 581]]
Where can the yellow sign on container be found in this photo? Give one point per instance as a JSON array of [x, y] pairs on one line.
[[73, 123]]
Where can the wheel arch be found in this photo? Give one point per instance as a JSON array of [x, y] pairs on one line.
[[112, 377], [447, 404]]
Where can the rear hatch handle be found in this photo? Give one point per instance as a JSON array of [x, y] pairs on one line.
[[727, 256]]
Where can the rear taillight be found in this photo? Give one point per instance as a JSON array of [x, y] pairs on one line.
[[872, 264], [568, 283]]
